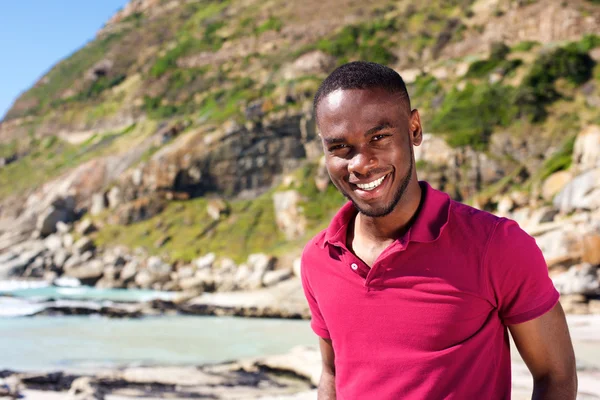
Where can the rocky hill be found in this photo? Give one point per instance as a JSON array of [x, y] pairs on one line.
[[185, 129]]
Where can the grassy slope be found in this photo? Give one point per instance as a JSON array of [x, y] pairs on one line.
[[163, 90]]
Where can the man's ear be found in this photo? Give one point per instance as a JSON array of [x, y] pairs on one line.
[[415, 128]]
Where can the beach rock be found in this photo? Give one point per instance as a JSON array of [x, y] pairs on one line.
[[17, 266], [314, 62], [555, 183], [83, 389], [114, 197], [86, 227], [216, 208], [583, 192], [144, 279], [206, 261], [83, 245], [46, 223], [88, 273], [434, 150], [160, 270], [53, 242], [68, 240], [98, 204], [185, 272], [272, 277], [72, 261], [297, 267], [586, 151], [60, 257], [560, 246], [258, 264], [579, 279], [129, 271], [322, 176], [288, 214], [86, 256], [62, 227], [591, 248]]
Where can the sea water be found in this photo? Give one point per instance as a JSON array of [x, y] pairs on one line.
[[79, 343]]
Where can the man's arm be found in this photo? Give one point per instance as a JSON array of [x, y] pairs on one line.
[[327, 383], [545, 345]]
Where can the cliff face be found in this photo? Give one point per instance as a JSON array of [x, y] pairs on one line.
[[177, 100]]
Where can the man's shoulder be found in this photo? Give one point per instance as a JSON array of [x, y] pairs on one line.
[[316, 243], [469, 214]]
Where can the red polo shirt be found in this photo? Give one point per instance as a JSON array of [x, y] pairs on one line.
[[428, 320]]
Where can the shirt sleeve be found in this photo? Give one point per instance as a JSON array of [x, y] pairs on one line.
[[317, 323], [518, 274]]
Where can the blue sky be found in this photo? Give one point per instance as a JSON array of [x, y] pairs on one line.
[[36, 34]]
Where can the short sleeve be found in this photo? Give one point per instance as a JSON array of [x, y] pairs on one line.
[[317, 322], [518, 274]]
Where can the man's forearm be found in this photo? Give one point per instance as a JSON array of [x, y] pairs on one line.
[[326, 389]]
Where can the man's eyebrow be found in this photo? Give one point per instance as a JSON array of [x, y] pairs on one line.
[[380, 127], [334, 140]]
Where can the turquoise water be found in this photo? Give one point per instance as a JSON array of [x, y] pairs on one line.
[[79, 343], [88, 293]]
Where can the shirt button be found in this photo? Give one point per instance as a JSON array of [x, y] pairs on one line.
[[354, 266]]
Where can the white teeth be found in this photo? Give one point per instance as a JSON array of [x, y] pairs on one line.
[[371, 185]]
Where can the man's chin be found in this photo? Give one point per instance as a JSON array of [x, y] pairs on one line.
[[373, 211]]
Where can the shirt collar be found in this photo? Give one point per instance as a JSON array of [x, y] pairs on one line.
[[428, 226]]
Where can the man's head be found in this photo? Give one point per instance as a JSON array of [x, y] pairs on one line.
[[368, 130]]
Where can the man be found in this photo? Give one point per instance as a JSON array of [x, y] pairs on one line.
[[412, 293]]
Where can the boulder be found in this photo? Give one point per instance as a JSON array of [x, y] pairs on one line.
[[272, 277], [586, 151], [46, 223], [160, 271], [114, 197], [98, 204], [288, 214], [216, 208], [53, 242], [322, 176], [129, 271], [555, 183], [88, 273], [591, 248], [583, 192], [579, 279], [312, 63], [60, 257], [63, 228], [144, 279], [258, 265], [206, 261], [83, 245], [560, 246], [86, 227], [434, 150], [68, 241], [297, 267]]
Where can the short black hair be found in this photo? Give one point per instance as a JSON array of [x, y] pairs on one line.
[[361, 75]]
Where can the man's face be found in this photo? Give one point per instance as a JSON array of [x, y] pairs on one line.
[[367, 138]]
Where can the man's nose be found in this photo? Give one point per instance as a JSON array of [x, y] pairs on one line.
[[362, 162]]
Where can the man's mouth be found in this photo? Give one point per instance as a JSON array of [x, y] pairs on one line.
[[371, 185]]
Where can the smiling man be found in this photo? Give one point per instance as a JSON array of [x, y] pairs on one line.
[[412, 294]]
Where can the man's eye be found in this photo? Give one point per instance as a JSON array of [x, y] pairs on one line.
[[379, 137], [337, 147]]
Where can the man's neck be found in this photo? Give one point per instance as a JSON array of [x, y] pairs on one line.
[[393, 225]]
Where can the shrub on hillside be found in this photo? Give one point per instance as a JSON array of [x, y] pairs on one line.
[[470, 115], [537, 89]]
